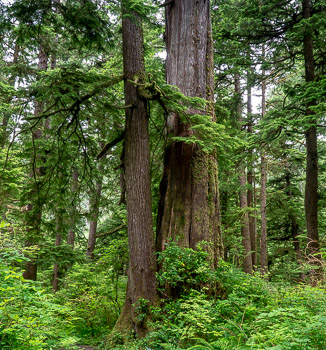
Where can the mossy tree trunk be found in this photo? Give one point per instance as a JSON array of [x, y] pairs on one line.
[[189, 196]]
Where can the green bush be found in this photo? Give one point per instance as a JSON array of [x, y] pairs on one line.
[[95, 290], [247, 313], [29, 318], [183, 269]]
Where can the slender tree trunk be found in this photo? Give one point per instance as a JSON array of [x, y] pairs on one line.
[[263, 234], [141, 292], [245, 232], [247, 262], [189, 195], [263, 182], [311, 190], [250, 180], [34, 207]]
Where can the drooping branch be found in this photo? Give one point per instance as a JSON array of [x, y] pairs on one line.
[[111, 144], [114, 230], [76, 105]]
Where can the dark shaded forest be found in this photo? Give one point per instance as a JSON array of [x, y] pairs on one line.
[[162, 174]]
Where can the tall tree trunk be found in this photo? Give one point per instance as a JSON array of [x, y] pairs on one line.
[[141, 292], [189, 195], [263, 182], [250, 197], [245, 232], [34, 207], [311, 190]]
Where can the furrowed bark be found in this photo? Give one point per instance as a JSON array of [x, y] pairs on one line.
[[189, 195], [141, 291]]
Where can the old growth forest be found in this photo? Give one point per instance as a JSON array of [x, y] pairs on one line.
[[163, 174]]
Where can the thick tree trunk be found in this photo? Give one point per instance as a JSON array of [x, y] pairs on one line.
[[263, 194], [34, 207], [141, 291], [189, 195], [311, 190]]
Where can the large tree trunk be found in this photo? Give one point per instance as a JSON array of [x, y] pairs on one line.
[[141, 291], [34, 207], [189, 202], [311, 191]]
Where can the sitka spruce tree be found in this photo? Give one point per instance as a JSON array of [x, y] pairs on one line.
[[189, 203]]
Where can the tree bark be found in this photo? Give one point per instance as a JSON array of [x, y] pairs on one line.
[[245, 232], [247, 261], [250, 197], [263, 234], [189, 195], [263, 194], [141, 291], [311, 190]]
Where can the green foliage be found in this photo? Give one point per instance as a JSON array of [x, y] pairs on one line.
[[96, 290], [249, 313], [183, 269], [29, 317]]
